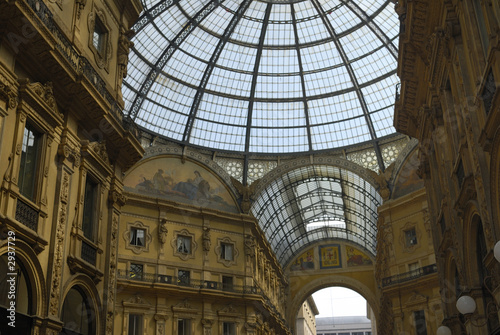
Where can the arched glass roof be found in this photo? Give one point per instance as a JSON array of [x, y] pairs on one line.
[[316, 203], [264, 76]]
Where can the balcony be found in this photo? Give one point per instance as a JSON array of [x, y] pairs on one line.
[[196, 284], [199, 285], [411, 275]]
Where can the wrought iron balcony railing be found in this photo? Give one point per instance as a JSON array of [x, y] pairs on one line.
[[79, 63], [198, 284], [407, 276]]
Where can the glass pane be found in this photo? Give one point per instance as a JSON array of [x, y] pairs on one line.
[[29, 162], [89, 209]]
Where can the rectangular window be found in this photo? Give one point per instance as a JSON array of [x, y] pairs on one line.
[[227, 283], [226, 251], [137, 236], [420, 326], [410, 237], [228, 328], [183, 327], [357, 333], [90, 208], [99, 37], [29, 162], [135, 324], [184, 244], [184, 277], [136, 271]]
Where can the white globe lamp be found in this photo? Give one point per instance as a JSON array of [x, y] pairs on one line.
[[496, 251], [466, 304], [443, 330]]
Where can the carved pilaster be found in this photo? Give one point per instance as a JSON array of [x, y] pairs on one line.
[[57, 260], [111, 284], [8, 92], [207, 326]]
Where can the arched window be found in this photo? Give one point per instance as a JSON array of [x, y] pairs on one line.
[[77, 315], [15, 290]]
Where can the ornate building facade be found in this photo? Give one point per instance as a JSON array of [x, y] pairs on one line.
[[109, 227]]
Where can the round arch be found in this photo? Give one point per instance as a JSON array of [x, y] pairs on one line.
[[471, 223], [314, 202], [329, 281], [86, 287], [28, 258]]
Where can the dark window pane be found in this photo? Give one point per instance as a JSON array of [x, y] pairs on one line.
[[420, 326], [89, 209], [29, 162], [137, 237], [77, 316], [134, 324]]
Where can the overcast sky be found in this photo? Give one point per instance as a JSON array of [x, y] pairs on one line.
[[339, 301]]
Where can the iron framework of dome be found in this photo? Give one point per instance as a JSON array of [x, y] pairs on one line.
[[265, 77], [268, 78]]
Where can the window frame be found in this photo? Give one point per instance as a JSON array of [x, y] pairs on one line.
[[135, 274], [103, 50], [183, 277], [93, 220], [185, 243], [419, 318], [220, 251], [184, 233], [140, 324], [186, 326], [36, 168]]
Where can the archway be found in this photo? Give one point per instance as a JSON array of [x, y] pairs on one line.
[[16, 296], [346, 280]]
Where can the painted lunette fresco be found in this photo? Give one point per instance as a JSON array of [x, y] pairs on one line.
[[169, 178]]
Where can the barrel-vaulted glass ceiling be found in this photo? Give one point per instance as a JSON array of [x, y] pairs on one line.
[[264, 76], [317, 203]]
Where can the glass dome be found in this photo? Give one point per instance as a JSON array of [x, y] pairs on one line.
[[264, 76]]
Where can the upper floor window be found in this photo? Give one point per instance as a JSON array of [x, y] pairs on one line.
[[184, 277], [135, 324], [137, 236], [183, 327], [227, 283], [29, 161], [90, 208], [227, 251], [410, 237], [228, 328], [184, 244], [420, 326], [99, 36], [136, 271]]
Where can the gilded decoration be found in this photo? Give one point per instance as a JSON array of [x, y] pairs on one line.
[[356, 257], [168, 178], [137, 244], [304, 262], [179, 246], [329, 256]]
